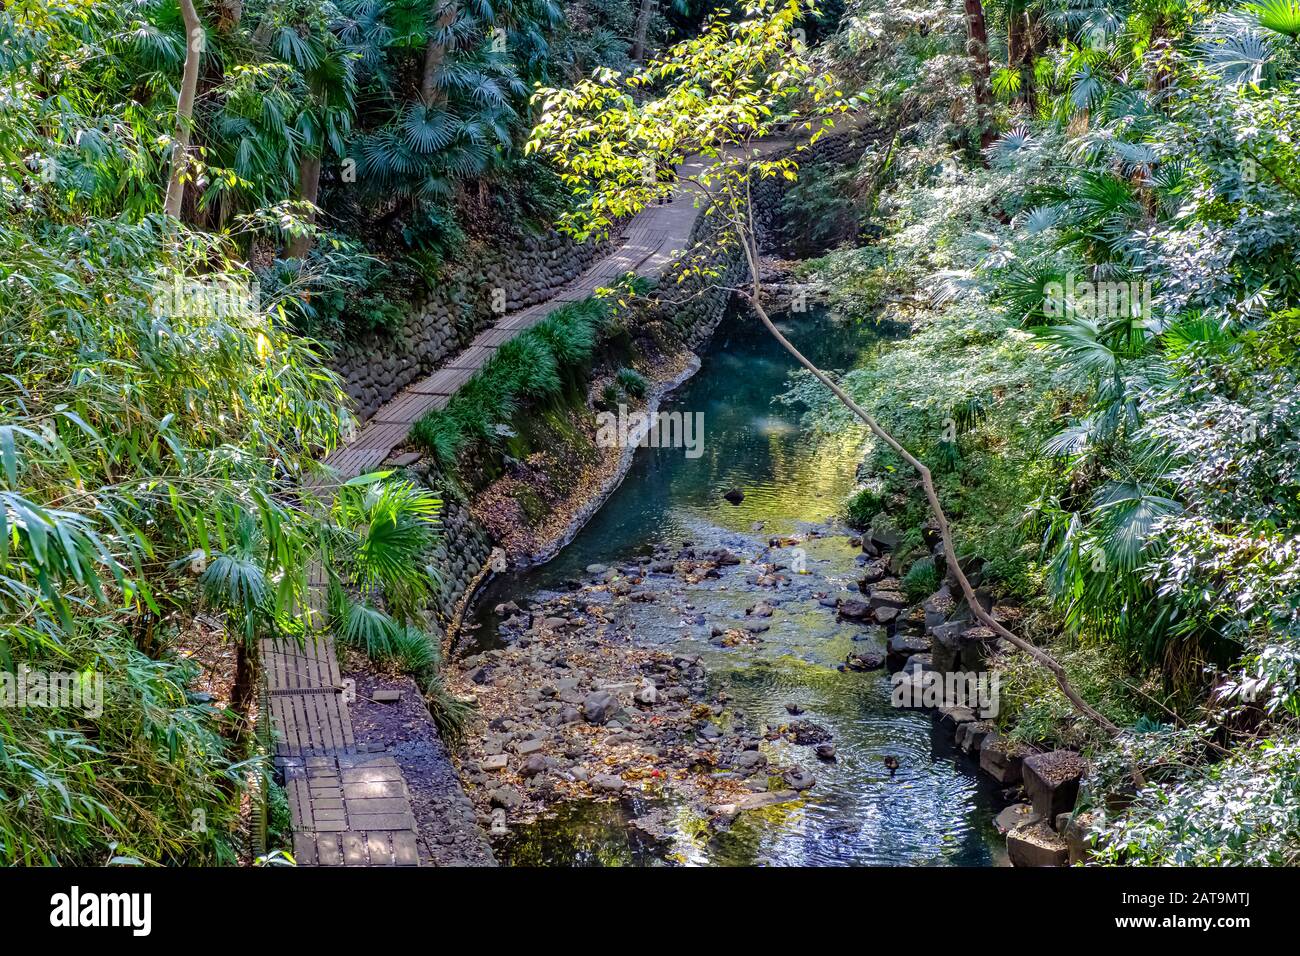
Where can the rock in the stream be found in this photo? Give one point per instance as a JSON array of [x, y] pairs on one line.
[[902, 646], [946, 647], [753, 801], [854, 609], [970, 736], [608, 783], [807, 734], [734, 495], [507, 798], [798, 780], [750, 760], [1016, 816], [864, 661], [887, 598], [600, 707]]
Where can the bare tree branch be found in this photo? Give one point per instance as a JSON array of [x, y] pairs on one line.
[[754, 297]]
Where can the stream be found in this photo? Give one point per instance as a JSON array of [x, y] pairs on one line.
[[935, 810]]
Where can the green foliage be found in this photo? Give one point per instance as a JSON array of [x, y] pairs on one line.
[[530, 367], [632, 382], [862, 507], [1242, 811], [1032, 708], [921, 580], [1281, 16], [1151, 158], [617, 148], [526, 365], [377, 560]]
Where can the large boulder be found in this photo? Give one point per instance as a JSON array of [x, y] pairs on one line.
[[903, 645], [1037, 845], [871, 573], [880, 540], [1002, 759], [977, 644], [1052, 781], [972, 566], [887, 598], [938, 606], [945, 650], [600, 707]]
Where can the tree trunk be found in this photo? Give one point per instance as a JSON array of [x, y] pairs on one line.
[[1021, 33], [643, 17], [229, 14], [434, 55], [243, 688], [978, 48], [308, 191], [931, 496], [194, 43]]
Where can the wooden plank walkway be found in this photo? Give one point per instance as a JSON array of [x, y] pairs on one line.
[[350, 807]]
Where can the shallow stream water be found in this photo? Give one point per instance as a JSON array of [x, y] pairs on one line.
[[935, 810]]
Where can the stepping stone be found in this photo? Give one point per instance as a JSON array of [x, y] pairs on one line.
[[1037, 845]]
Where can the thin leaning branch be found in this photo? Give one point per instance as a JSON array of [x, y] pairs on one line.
[[194, 45], [753, 297]]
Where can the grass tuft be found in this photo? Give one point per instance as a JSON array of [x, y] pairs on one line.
[[530, 366]]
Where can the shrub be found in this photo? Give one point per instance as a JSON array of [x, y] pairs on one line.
[[610, 396], [525, 366], [921, 580], [1033, 709], [414, 652], [529, 366], [1242, 811], [862, 506], [632, 382]]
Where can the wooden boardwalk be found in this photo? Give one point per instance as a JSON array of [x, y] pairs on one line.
[[651, 241], [351, 807]]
